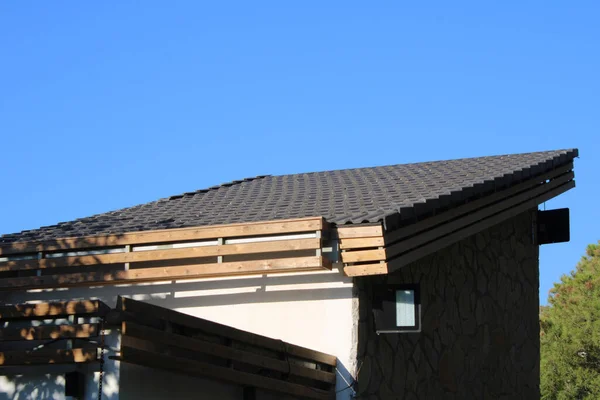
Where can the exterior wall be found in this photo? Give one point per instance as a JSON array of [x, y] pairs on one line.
[[35, 386], [316, 310], [479, 336], [142, 383]]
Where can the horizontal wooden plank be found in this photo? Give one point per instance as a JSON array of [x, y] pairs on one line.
[[49, 332], [160, 255], [361, 243], [53, 310], [169, 235], [427, 236], [413, 229], [412, 256], [146, 338], [48, 356], [196, 368], [168, 273], [363, 255], [366, 269], [145, 310], [358, 231]]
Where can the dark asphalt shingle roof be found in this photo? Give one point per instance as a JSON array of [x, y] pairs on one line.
[[387, 193]]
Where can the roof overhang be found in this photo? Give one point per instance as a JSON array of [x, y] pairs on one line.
[[370, 250], [279, 246]]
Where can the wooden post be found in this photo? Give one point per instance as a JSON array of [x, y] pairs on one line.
[[127, 250]]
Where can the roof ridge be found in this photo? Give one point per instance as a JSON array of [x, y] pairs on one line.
[[430, 162]]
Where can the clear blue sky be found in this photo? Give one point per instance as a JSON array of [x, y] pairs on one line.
[[110, 104]]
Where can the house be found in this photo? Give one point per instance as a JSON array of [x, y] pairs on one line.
[[416, 281]]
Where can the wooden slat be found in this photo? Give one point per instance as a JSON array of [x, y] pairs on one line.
[[134, 307], [408, 244], [169, 235], [366, 269], [196, 368], [169, 273], [48, 356], [363, 255], [413, 229], [146, 338], [470, 230], [361, 243], [49, 332], [358, 231], [53, 310], [160, 255]]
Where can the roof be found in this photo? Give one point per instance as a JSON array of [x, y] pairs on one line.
[[389, 194]]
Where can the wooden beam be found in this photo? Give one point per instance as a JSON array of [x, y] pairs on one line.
[[361, 243], [49, 332], [196, 368], [53, 310], [359, 231], [48, 356], [160, 255], [413, 229], [150, 339], [168, 273], [150, 311], [442, 230], [168, 235], [366, 269], [470, 230], [363, 255]]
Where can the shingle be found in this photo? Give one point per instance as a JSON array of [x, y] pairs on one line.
[[391, 194]]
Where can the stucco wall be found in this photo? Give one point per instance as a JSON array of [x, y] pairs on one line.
[[314, 309], [480, 329]]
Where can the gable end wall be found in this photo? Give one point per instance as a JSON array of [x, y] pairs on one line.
[[480, 327]]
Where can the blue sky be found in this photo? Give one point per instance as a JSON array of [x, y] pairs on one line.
[[107, 105]]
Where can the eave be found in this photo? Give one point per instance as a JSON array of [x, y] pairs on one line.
[[370, 250], [279, 246]]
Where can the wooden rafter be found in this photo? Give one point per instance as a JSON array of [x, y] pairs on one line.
[[23, 340], [157, 337], [190, 253], [269, 266], [160, 338], [48, 356], [168, 235], [49, 332], [366, 253], [444, 229], [53, 310], [479, 226], [161, 255], [363, 251]]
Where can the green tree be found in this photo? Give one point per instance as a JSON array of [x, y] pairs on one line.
[[570, 333]]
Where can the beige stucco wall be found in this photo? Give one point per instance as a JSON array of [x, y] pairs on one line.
[[314, 309]]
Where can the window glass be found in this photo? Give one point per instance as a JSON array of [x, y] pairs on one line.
[[405, 308]]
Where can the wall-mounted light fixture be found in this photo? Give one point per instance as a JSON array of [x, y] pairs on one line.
[[396, 308]]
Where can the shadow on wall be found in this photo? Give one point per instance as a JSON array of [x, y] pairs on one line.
[[51, 387], [325, 285], [21, 387]]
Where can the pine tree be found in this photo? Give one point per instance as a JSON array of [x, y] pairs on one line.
[[570, 333]]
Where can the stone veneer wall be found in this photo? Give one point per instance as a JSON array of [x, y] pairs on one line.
[[479, 336]]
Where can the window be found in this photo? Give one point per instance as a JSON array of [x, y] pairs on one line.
[[396, 308]]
